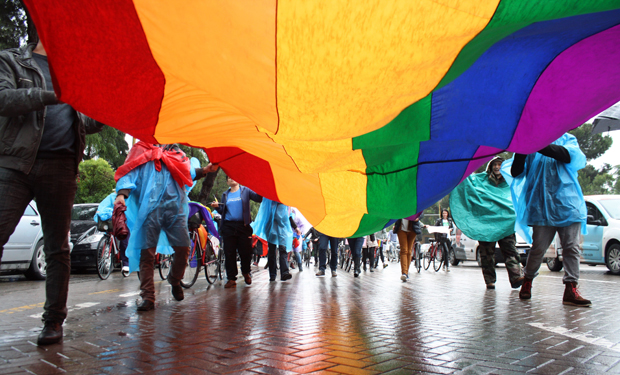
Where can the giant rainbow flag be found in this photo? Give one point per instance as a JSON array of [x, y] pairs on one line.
[[356, 112]]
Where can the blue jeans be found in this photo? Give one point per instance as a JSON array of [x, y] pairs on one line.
[[53, 183], [356, 250], [297, 256], [332, 242]]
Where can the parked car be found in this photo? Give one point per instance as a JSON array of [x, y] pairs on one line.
[[23, 253], [601, 245], [84, 235], [466, 248]]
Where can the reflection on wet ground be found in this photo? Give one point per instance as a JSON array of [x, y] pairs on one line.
[[435, 323]]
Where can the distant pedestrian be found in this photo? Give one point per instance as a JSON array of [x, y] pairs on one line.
[[444, 241], [324, 242], [406, 231], [368, 252], [236, 230], [273, 224]]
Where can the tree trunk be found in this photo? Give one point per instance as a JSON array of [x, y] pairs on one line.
[[207, 186]]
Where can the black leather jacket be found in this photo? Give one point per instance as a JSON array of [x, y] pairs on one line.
[[22, 111]]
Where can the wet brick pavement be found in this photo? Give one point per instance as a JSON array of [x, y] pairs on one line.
[[440, 323]]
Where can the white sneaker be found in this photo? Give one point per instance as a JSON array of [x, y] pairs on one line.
[[404, 277], [125, 269]]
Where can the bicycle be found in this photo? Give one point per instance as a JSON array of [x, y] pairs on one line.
[[208, 258], [434, 255], [307, 254], [164, 261], [417, 256], [108, 253]]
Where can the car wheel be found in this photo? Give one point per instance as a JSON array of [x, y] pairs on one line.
[[554, 264], [612, 259], [453, 260], [36, 271]]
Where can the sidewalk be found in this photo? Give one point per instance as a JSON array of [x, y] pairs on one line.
[[436, 323]]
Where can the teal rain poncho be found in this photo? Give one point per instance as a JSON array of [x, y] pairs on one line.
[[483, 210], [548, 193], [272, 224], [152, 192]]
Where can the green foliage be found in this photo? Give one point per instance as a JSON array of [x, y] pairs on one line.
[[96, 181], [13, 24], [592, 145], [108, 144]]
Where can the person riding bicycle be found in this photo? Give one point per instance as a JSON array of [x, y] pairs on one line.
[[443, 238], [153, 183], [104, 213]]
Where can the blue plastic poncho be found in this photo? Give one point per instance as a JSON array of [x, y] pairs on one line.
[[548, 193], [272, 224], [156, 193], [483, 210], [105, 208]]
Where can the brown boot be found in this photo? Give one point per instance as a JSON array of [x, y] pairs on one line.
[[231, 284], [526, 289], [573, 297]]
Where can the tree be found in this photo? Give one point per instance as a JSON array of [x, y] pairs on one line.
[[13, 24], [96, 181], [592, 145], [109, 144]]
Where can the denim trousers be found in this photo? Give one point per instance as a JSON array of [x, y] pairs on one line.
[[52, 182], [324, 242], [356, 250]]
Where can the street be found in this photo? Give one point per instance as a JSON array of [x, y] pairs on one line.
[[435, 323]]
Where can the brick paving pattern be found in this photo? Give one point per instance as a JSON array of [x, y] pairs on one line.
[[440, 323]]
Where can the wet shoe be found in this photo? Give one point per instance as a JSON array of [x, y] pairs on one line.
[[231, 284], [526, 289], [518, 282], [51, 334], [364, 268], [334, 274], [403, 277], [146, 306], [491, 286], [385, 265], [125, 269], [272, 279], [320, 273], [248, 278], [177, 292], [356, 273], [573, 297], [286, 276], [372, 269]]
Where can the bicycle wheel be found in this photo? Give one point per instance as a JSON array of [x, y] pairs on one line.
[[221, 259], [104, 258], [418, 256], [348, 263], [164, 265], [211, 264], [427, 257], [438, 260], [192, 268]]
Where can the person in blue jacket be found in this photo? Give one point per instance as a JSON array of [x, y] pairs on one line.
[[547, 197], [236, 231], [273, 223]]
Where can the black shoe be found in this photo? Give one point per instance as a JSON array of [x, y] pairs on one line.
[[146, 306], [177, 292], [272, 279], [286, 276], [51, 334], [356, 272]]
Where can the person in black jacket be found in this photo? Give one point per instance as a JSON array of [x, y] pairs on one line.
[[236, 230], [443, 239], [42, 144]]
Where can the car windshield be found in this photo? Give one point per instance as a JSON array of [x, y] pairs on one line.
[[83, 212], [612, 206]]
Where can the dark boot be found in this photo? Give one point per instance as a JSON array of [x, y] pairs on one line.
[[526, 289], [51, 334], [573, 297]]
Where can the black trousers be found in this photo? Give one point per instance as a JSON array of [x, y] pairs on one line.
[[237, 239], [52, 182]]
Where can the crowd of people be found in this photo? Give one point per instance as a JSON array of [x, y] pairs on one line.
[[44, 141]]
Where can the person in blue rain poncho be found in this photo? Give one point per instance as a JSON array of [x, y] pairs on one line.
[[273, 224], [153, 183], [547, 197], [104, 213]]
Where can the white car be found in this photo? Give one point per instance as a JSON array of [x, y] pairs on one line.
[[23, 253], [466, 248], [602, 243]]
